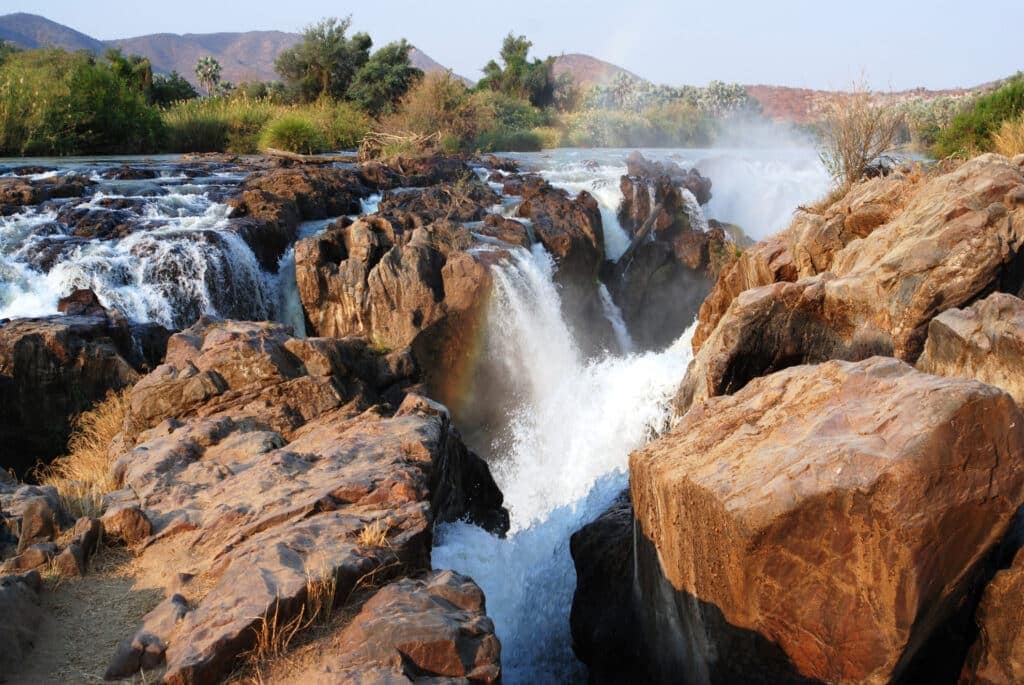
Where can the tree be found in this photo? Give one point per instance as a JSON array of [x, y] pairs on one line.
[[208, 73], [325, 61], [135, 70], [384, 80], [533, 81], [170, 88], [858, 129]]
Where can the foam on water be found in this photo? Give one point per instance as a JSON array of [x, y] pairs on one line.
[[561, 461]]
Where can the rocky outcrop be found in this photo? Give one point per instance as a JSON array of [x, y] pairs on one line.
[[257, 469], [17, 192], [434, 627], [955, 238], [997, 658], [417, 288], [465, 200], [984, 341], [823, 523], [51, 369], [638, 166]]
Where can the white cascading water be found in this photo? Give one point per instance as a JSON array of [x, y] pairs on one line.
[[183, 266], [571, 426]]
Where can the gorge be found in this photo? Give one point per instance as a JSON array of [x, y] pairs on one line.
[[414, 382]]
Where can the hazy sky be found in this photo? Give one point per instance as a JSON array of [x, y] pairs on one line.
[[817, 44]]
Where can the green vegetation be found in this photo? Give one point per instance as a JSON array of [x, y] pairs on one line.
[[517, 77], [384, 79], [293, 132], [971, 130]]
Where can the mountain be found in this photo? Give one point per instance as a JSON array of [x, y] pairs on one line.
[[589, 71], [247, 56], [33, 31]]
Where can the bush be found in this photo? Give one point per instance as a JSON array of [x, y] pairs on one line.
[[341, 124], [55, 102], [294, 133], [550, 136], [220, 124], [856, 131], [500, 140], [971, 130], [1009, 139]]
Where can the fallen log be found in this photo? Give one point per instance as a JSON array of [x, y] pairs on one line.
[[309, 159]]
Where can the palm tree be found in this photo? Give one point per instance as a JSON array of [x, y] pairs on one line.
[[208, 73]]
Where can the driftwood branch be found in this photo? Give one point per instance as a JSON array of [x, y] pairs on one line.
[[639, 237], [308, 159]]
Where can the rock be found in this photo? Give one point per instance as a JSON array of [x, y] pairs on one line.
[[639, 166], [70, 562], [399, 288], [951, 241], [853, 502], [38, 523], [33, 557], [605, 626], [506, 230], [430, 170], [126, 172], [98, 223], [145, 650], [984, 341], [127, 525], [22, 616], [269, 466], [17, 192], [86, 534], [997, 658], [81, 302], [434, 627], [51, 369], [463, 201]]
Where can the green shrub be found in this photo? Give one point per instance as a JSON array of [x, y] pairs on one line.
[[550, 136], [341, 124], [971, 130], [55, 102], [499, 140], [294, 133]]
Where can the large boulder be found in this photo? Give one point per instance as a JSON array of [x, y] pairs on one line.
[[462, 201], [418, 288], [434, 627], [270, 473], [956, 237], [824, 523], [19, 605], [52, 369], [997, 658], [984, 341]]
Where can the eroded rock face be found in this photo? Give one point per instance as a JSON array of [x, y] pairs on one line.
[[954, 238], [434, 627], [256, 466], [984, 341], [399, 288], [51, 369], [852, 502], [997, 658]]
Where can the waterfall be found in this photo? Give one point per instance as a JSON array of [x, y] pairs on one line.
[[560, 461], [698, 222]]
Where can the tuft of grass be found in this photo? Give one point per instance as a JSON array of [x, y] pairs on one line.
[[1009, 139], [295, 133], [321, 594], [374, 534], [83, 476]]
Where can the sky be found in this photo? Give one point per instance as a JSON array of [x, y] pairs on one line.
[[892, 44]]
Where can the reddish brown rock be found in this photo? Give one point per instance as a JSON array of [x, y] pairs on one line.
[[997, 658], [434, 627], [569, 228], [824, 522], [984, 341], [466, 200], [952, 241], [268, 465], [399, 288]]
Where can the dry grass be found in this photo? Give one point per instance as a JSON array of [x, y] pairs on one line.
[[858, 128], [83, 476], [374, 534], [1009, 139]]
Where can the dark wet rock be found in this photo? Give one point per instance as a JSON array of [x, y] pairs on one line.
[[127, 172], [640, 167], [506, 230], [17, 192], [81, 302], [604, 619], [432, 628], [99, 223], [51, 369]]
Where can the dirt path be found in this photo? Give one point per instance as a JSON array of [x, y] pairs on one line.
[[85, 618]]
